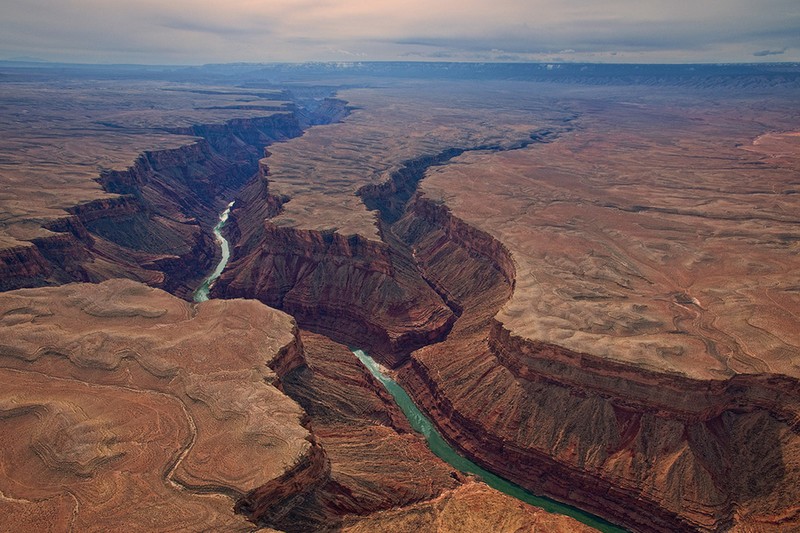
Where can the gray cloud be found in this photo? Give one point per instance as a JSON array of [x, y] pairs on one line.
[[199, 31], [763, 53], [197, 26]]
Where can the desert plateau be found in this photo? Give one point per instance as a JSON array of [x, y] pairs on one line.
[[578, 286]]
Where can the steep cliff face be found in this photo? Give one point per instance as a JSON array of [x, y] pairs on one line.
[[353, 289], [652, 451], [155, 227], [470, 507], [23, 266], [179, 191], [376, 462], [731, 462], [255, 203], [373, 463], [120, 398], [270, 503], [349, 288], [241, 142]]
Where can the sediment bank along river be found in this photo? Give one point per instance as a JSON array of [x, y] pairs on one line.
[[202, 292], [444, 451]]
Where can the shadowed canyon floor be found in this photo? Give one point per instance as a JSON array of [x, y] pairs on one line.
[[590, 287]]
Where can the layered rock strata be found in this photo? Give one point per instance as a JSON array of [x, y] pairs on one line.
[[675, 411], [157, 229], [616, 309], [347, 280], [471, 507], [379, 468], [127, 408], [354, 289], [584, 371], [376, 461], [92, 192]]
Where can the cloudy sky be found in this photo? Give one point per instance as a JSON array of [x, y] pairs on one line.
[[211, 31]]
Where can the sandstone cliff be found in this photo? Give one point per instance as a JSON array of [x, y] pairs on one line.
[[649, 450], [155, 225], [120, 401], [652, 451]]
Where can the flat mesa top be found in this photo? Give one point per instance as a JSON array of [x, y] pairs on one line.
[[656, 228], [124, 391], [57, 137], [662, 232], [323, 170]]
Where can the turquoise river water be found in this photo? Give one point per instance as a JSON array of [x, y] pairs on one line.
[[202, 292], [443, 450], [420, 422]]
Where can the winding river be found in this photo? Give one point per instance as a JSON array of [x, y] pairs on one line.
[[419, 421], [444, 451], [203, 291]]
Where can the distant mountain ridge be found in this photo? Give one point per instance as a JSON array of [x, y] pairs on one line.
[[731, 75]]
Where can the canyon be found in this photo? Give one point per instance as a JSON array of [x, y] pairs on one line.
[[590, 288]]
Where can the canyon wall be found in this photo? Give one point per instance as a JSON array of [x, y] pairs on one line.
[[120, 399], [652, 451], [155, 225], [422, 289], [352, 289]]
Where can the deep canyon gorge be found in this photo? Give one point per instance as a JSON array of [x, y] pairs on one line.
[[589, 284]]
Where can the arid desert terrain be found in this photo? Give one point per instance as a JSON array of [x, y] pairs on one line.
[[586, 277]]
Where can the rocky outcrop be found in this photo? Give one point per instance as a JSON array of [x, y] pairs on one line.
[[22, 266], [157, 229], [650, 450], [120, 398], [470, 507], [376, 462], [644, 466], [255, 203], [270, 503], [350, 288], [288, 359], [640, 389]]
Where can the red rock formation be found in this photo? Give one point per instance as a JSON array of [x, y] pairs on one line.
[[378, 466], [123, 399], [470, 507], [254, 204], [157, 230], [654, 451], [22, 265], [375, 463], [351, 288]]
